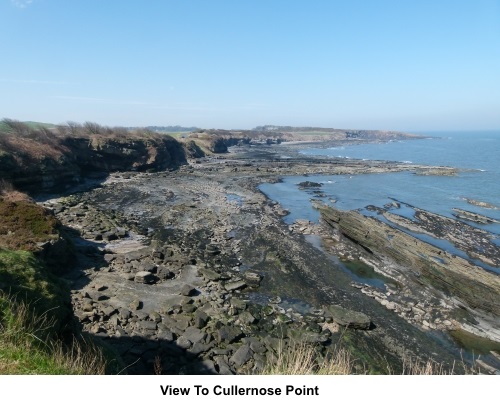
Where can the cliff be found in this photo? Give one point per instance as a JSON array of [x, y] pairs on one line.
[[49, 159]]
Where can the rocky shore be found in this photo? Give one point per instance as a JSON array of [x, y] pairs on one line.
[[194, 271]]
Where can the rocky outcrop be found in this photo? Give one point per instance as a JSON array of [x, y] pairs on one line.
[[423, 262], [100, 154], [75, 158], [473, 216]]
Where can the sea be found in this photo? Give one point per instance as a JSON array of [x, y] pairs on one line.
[[475, 153]]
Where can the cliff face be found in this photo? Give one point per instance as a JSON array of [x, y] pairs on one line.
[[35, 165], [99, 154]]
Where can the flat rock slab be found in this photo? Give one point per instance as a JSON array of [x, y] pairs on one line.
[[349, 318], [235, 285]]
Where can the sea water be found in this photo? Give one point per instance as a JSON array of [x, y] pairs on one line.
[[475, 153]]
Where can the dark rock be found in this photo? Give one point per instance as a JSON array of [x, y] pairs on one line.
[[110, 236], [200, 319], [223, 367], [187, 290], [228, 334], [213, 249], [199, 348], [309, 184], [194, 335], [241, 356]]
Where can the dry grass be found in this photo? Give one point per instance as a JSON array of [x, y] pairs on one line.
[[304, 359], [414, 367]]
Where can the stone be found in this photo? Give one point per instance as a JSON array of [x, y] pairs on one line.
[[164, 273], [135, 305], [224, 368], [194, 335], [108, 311], [417, 311], [109, 257], [188, 308], [305, 336], [199, 348], [187, 290], [391, 305], [155, 316], [235, 285], [213, 249], [238, 303], [151, 267], [124, 313], [349, 318], [183, 343], [144, 277], [246, 318], [87, 305], [252, 278], [210, 274], [147, 325], [165, 334], [200, 319], [228, 334], [110, 236], [241, 356]]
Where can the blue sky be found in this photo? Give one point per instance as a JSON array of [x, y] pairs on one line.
[[402, 65]]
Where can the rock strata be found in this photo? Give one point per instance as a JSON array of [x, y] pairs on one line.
[[419, 264]]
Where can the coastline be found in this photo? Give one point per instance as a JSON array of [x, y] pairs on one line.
[[208, 226]]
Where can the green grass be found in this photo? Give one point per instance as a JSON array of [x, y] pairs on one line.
[[34, 313], [27, 280], [31, 124], [26, 346]]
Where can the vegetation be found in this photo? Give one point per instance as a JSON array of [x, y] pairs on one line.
[[24, 224], [35, 337], [29, 143], [35, 310], [304, 359], [28, 344]]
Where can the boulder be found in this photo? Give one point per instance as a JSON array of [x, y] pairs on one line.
[[144, 277], [241, 356], [349, 318], [235, 285], [228, 334]]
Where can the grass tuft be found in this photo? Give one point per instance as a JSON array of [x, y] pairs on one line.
[[28, 347], [304, 359]]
